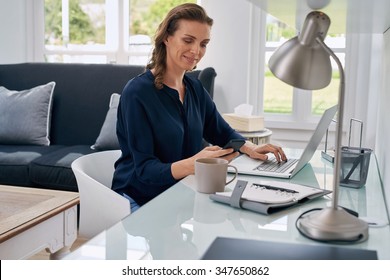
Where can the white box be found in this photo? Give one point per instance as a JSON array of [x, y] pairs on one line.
[[244, 123]]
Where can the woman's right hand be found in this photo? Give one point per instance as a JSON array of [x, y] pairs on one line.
[[185, 167], [216, 152]]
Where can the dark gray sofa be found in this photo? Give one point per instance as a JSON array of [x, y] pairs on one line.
[[79, 106]]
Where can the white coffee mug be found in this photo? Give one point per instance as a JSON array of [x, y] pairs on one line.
[[211, 174]]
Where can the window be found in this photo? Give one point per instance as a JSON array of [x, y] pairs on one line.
[[285, 101], [101, 31], [79, 31], [278, 96]]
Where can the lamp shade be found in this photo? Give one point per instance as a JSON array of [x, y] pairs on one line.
[[302, 62]]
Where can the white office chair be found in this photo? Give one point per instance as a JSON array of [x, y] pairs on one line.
[[100, 207]]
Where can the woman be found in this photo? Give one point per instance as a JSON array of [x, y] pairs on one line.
[[164, 115]]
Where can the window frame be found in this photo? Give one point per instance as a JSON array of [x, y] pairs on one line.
[[301, 121], [117, 33], [301, 100]]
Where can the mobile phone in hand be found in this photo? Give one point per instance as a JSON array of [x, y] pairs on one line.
[[236, 144]]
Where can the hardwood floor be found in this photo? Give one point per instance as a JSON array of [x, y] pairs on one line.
[[43, 255]]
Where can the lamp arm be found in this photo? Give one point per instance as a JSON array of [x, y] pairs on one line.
[[339, 130]]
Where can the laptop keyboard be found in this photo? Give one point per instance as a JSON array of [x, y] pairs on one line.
[[274, 166]]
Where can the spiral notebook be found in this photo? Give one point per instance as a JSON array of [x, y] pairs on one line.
[[267, 197]]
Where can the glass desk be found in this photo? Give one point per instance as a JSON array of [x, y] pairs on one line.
[[182, 223]]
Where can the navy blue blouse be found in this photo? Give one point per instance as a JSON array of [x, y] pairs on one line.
[[155, 129]]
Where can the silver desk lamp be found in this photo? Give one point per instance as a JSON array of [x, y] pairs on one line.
[[304, 62]]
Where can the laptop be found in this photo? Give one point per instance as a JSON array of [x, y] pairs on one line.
[[271, 168]]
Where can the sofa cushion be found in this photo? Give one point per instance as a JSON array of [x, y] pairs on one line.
[[15, 162], [25, 115], [53, 170], [107, 139]]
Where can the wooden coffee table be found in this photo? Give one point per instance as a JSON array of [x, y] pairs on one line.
[[33, 219]]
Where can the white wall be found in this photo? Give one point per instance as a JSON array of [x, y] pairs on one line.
[[225, 52], [13, 34], [383, 129]]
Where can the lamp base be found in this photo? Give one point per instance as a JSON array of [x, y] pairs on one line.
[[333, 225]]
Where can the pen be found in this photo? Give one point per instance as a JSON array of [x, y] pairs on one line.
[[268, 187]]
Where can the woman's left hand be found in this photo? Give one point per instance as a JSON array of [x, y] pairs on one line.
[[260, 152]]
